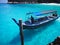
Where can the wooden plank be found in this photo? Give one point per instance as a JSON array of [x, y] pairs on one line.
[[21, 32]]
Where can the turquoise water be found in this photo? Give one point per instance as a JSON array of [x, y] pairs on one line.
[[9, 31]]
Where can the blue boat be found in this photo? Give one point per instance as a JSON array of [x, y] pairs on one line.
[[35, 23]]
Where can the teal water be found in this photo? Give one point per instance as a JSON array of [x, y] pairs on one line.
[[9, 31]]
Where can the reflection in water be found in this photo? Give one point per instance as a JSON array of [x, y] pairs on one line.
[[43, 34], [32, 33], [29, 34]]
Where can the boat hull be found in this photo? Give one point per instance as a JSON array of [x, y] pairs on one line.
[[37, 26]]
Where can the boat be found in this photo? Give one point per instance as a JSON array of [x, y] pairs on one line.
[[36, 23]]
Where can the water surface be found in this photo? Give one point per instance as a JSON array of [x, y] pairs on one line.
[[9, 31]]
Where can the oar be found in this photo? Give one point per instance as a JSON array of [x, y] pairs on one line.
[[21, 30], [15, 21]]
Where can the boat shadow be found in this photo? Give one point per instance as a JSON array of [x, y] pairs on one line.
[[30, 33]]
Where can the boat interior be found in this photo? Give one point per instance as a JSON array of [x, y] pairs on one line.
[[36, 21]]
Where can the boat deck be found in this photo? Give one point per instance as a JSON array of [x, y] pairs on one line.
[[40, 21]]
